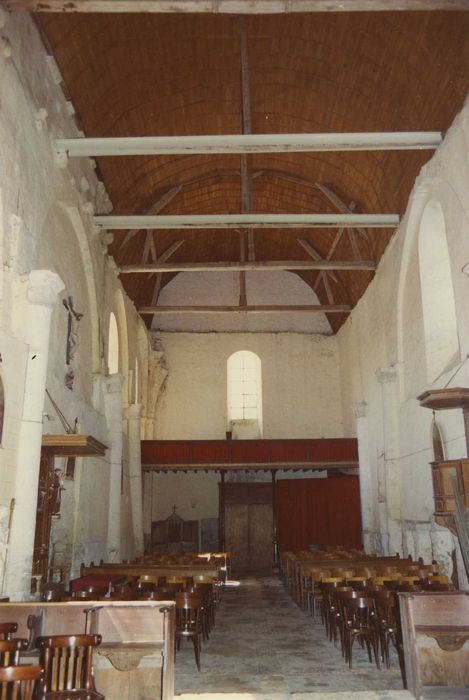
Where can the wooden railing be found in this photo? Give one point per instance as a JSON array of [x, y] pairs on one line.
[[299, 453]]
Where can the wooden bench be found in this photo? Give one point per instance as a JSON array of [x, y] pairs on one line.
[[136, 658], [136, 570], [435, 631]]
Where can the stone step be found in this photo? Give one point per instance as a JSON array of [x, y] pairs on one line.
[[354, 695]]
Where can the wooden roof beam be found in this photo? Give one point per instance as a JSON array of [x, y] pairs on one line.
[[248, 143], [247, 265], [252, 7], [222, 221], [309, 308]]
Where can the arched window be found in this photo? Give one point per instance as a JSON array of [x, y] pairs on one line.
[[113, 346], [439, 312], [245, 395]]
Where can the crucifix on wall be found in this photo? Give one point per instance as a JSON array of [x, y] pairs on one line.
[[74, 317]]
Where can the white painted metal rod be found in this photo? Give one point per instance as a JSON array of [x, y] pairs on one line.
[[311, 308], [195, 221], [249, 143], [264, 265], [231, 6]]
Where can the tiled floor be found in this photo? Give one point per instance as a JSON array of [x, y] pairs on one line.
[[263, 644]]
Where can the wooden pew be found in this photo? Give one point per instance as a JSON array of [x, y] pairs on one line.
[[135, 570], [136, 658], [435, 631]]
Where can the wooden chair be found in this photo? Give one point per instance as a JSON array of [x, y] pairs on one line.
[[205, 590], [20, 682], [10, 651], [386, 621], [360, 623], [189, 624], [7, 629], [67, 664]]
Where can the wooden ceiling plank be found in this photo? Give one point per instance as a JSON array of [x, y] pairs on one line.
[[311, 250], [340, 205], [354, 243], [310, 308], [221, 221], [248, 142], [159, 277], [247, 265], [146, 247], [246, 185], [327, 287], [158, 206]]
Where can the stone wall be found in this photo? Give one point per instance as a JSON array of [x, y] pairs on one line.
[[387, 358], [46, 207]]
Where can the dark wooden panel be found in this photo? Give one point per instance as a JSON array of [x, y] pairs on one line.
[[318, 511], [249, 452], [209, 451], [290, 450], [246, 451], [248, 492]]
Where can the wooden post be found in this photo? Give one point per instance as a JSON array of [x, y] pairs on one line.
[[221, 511], [274, 517]]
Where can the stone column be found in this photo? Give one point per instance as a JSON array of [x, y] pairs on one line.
[[41, 295], [387, 377], [134, 412], [366, 478], [113, 409]]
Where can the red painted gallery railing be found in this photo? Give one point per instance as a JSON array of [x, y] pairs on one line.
[[165, 453]]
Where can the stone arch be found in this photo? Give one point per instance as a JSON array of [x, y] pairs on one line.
[[2, 406], [76, 222], [121, 316], [438, 303], [113, 345], [409, 301]]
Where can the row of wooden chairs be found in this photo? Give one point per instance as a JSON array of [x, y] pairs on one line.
[[64, 670]]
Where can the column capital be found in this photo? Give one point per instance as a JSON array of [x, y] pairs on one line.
[[43, 287], [134, 411], [386, 375], [114, 383], [360, 410]]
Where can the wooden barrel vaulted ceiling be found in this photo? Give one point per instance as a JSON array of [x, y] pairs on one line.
[[181, 75]]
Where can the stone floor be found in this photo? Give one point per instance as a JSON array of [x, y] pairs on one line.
[[263, 646]]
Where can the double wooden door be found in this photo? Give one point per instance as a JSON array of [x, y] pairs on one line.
[[249, 527]]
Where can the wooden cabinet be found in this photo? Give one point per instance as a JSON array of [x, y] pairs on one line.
[[442, 474], [174, 535]]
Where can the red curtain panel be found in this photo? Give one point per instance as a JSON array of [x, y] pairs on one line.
[[318, 511]]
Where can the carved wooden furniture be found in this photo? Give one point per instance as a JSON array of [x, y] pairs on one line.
[[435, 629], [136, 657], [67, 664], [20, 682], [49, 489], [174, 535], [444, 470]]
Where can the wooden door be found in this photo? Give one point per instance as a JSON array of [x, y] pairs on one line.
[[249, 527]]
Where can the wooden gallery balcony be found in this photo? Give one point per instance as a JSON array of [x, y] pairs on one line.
[[333, 454]]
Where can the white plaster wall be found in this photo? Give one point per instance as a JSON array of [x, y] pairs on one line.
[[300, 384], [46, 206], [262, 289], [386, 331]]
